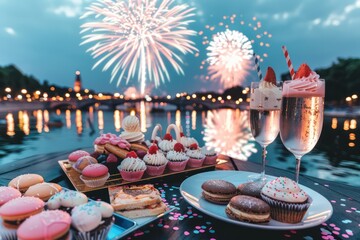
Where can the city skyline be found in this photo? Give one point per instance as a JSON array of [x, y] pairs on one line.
[[45, 42]]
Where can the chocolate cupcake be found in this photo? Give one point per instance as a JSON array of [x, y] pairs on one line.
[[288, 202]]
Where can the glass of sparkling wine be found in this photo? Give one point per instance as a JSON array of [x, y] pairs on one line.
[[265, 105], [301, 117]]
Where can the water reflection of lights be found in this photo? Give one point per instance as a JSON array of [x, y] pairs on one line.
[[78, 121], [68, 118], [46, 120], [346, 125], [228, 132], [193, 120], [26, 126], [178, 118], [39, 120], [353, 124], [10, 129], [117, 122], [142, 116], [334, 122], [101, 120], [58, 112]]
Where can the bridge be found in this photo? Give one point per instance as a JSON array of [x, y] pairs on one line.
[[180, 103]]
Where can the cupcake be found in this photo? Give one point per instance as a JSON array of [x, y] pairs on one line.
[[92, 220], [155, 161], [177, 158], [83, 162], [186, 141], [132, 168], [196, 157], [288, 202], [52, 224], [168, 143], [210, 155], [95, 175], [74, 156]]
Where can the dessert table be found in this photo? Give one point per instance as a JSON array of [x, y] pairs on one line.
[[186, 222]]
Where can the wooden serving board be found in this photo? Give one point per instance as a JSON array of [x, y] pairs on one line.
[[116, 180]]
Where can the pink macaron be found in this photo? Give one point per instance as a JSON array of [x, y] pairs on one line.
[[74, 156], [52, 224], [7, 194], [21, 208]]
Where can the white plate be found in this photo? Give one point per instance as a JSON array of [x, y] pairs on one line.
[[320, 209]]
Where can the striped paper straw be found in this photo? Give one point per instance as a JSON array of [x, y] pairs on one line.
[[257, 66], [289, 63]]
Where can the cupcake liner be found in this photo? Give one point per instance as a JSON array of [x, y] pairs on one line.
[[95, 182], [7, 233], [286, 212], [155, 170], [195, 162], [210, 160], [177, 166], [78, 170], [131, 176], [100, 234]]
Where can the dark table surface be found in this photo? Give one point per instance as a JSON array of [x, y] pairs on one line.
[[185, 222]]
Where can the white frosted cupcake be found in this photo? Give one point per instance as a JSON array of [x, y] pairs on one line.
[[210, 155], [288, 202], [155, 161], [196, 157], [167, 144], [132, 168], [187, 141], [177, 158]]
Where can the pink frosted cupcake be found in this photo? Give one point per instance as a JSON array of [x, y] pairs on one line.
[[210, 155], [155, 161], [95, 175], [177, 158], [196, 157], [167, 144], [132, 168], [74, 156]]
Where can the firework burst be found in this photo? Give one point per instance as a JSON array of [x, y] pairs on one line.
[[228, 132], [228, 55], [139, 38]]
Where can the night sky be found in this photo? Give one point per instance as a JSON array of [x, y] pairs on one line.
[[42, 38]]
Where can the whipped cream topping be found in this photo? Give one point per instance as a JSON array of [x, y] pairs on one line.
[[196, 153], [132, 165], [208, 151], [284, 189], [133, 136], [120, 142], [157, 159], [311, 86], [104, 138], [266, 96], [187, 141], [131, 124], [166, 145], [176, 156]]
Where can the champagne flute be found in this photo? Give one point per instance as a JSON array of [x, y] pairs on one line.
[[265, 105], [301, 117]]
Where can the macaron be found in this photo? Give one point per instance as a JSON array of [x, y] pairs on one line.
[[74, 156], [248, 209], [7, 194], [218, 191], [43, 190], [251, 188], [52, 224], [83, 162], [18, 209], [24, 181]]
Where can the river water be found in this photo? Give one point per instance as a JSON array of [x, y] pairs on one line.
[[26, 133]]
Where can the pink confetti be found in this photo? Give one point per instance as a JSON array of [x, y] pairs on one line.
[[332, 225], [335, 232], [186, 233], [345, 235], [353, 208], [333, 201], [175, 228], [293, 231], [138, 234], [349, 232], [197, 227], [324, 224], [348, 211], [212, 238], [336, 229], [202, 230], [166, 226], [195, 214]]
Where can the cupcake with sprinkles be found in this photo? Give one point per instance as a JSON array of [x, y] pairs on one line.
[[288, 202]]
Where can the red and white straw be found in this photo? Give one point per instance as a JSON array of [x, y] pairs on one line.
[[288, 61]]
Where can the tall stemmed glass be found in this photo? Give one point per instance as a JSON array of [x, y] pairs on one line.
[[301, 117], [265, 105]]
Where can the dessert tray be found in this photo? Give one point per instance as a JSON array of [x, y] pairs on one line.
[[116, 180], [320, 209]]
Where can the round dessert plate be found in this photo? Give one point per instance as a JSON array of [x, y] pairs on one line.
[[320, 209]]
